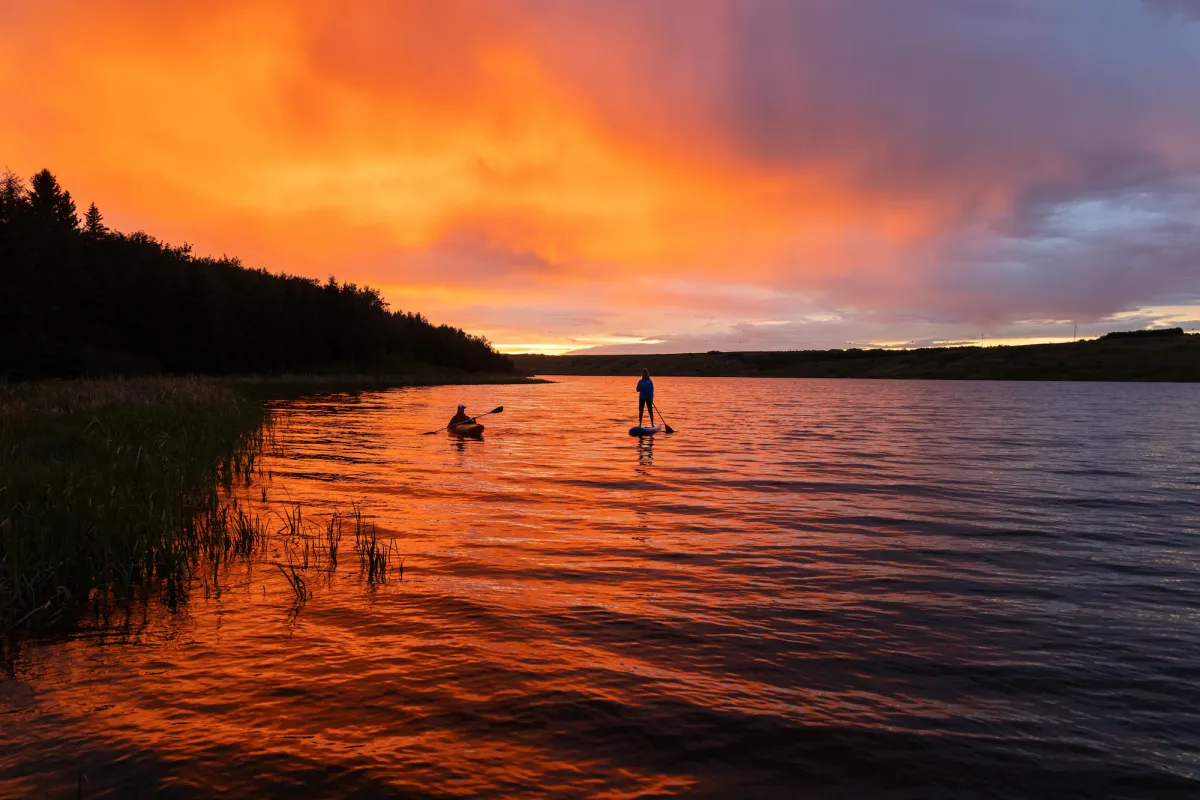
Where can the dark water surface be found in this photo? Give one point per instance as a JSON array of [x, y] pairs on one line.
[[814, 589]]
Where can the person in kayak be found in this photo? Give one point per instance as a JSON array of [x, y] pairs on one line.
[[460, 417], [645, 390]]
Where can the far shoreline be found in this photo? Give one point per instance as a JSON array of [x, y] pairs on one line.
[[1168, 356]]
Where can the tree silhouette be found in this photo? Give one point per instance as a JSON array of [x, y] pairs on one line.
[[95, 301], [93, 222], [12, 197], [50, 203]]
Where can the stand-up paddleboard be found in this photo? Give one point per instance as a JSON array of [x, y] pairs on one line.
[[473, 429], [643, 430]]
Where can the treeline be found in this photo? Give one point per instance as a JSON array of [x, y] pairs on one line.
[[78, 299], [1159, 355], [1151, 333]]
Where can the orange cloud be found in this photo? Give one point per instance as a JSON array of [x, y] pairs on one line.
[[557, 153], [402, 119]]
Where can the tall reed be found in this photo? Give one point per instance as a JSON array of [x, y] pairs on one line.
[[374, 556]]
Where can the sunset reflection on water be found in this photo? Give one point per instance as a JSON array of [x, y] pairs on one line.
[[815, 587]]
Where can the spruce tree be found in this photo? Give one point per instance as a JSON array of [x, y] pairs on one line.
[[50, 203], [12, 197], [93, 222]]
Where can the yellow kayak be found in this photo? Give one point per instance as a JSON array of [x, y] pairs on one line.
[[467, 429]]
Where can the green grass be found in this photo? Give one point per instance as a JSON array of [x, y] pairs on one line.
[[112, 487]]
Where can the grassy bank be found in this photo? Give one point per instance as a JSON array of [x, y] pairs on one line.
[[1157, 356], [278, 387], [114, 486]]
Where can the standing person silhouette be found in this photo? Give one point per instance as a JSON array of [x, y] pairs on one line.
[[645, 390]]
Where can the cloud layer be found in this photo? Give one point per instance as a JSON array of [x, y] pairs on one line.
[[561, 175]]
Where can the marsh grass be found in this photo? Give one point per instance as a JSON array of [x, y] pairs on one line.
[[333, 538], [374, 556], [295, 579], [304, 546], [108, 488], [120, 489]]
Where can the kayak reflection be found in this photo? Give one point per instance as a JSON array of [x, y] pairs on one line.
[[461, 443]]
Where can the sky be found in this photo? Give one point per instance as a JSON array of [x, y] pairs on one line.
[[658, 175]]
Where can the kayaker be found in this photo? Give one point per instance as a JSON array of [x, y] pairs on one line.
[[459, 418], [645, 390]]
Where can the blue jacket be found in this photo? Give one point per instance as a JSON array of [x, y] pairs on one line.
[[645, 389]]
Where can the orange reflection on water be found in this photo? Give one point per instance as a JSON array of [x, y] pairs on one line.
[[580, 613]]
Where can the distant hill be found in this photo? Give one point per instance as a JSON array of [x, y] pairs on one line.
[[77, 299], [1169, 355]]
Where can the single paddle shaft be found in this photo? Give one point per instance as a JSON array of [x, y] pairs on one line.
[[666, 427], [496, 410]]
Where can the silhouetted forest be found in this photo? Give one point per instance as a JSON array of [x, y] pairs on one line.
[[79, 299], [1153, 355]]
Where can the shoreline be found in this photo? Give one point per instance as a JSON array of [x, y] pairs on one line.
[[288, 386], [1150, 356]]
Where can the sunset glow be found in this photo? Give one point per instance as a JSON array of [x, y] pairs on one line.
[[657, 176]]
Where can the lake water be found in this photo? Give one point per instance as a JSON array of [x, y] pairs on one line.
[[812, 589]]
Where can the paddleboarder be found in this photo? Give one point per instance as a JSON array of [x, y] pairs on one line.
[[645, 390]]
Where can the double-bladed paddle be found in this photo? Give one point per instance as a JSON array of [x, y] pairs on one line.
[[496, 410]]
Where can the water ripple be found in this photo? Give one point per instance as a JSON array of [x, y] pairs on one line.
[[816, 589]]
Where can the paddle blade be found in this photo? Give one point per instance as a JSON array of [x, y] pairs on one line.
[[668, 428], [497, 410]]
